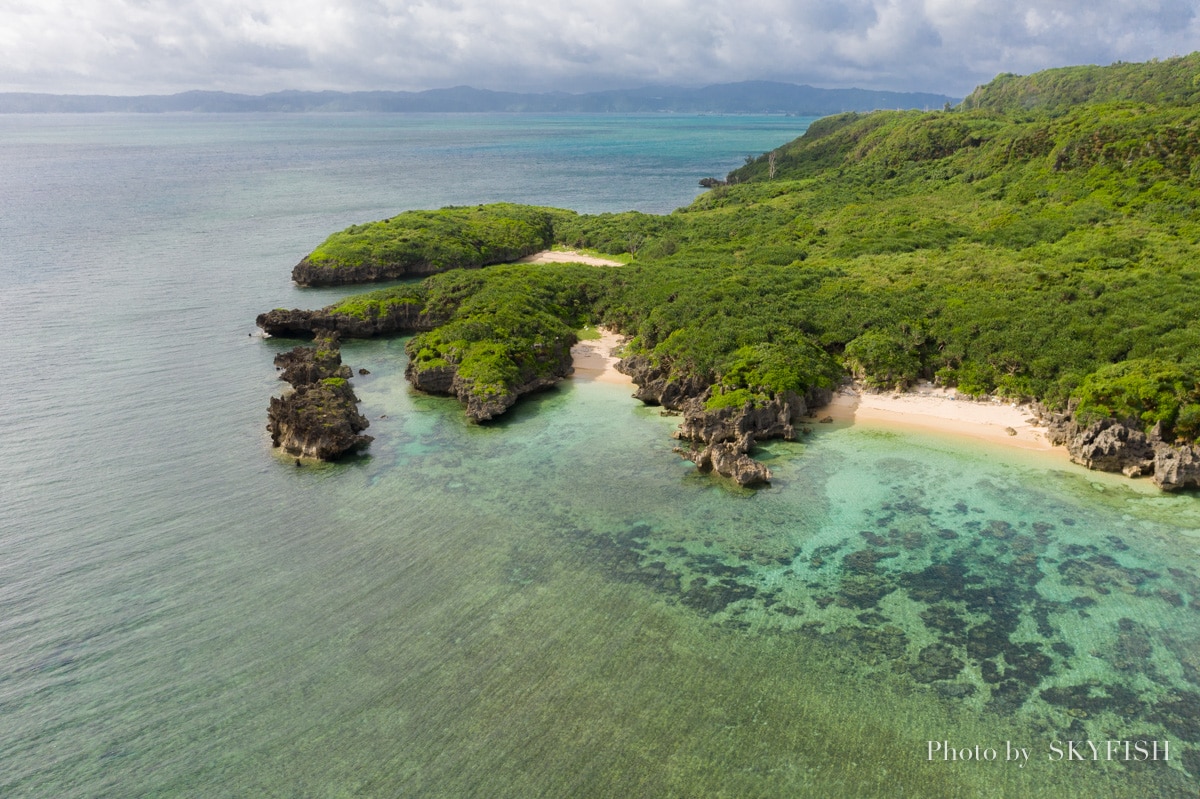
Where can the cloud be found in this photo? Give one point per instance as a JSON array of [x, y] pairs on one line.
[[950, 46]]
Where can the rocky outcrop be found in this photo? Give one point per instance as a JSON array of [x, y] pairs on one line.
[[730, 460], [656, 385], [319, 418], [545, 367], [1176, 467], [304, 365], [1112, 446], [396, 319], [1107, 446], [775, 419], [720, 440]]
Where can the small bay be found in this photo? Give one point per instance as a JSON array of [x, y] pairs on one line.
[[553, 605]]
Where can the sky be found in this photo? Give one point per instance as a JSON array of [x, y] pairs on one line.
[[256, 46]]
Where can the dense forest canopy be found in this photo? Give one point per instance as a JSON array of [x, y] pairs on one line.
[[1039, 241]]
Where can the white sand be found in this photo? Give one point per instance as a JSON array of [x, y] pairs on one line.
[[924, 407], [942, 410], [593, 360], [566, 257]]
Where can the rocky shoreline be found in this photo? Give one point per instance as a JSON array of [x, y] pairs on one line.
[[1111, 446], [319, 418], [721, 440], [397, 319], [543, 369]]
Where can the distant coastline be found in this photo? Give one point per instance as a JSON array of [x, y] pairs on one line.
[[747, 97]]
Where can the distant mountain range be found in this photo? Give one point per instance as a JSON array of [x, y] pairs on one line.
[[750, 97]]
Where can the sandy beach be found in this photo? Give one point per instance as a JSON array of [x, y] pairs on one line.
[[593, 359], [566, 257], [941, 410], [923, 407]]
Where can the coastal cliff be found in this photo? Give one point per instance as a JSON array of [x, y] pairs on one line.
[[319, 418]]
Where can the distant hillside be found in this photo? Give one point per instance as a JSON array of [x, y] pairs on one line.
[[1174, 81], [750, 97]]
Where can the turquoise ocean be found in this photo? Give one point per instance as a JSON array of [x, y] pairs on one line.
[[550, 606]]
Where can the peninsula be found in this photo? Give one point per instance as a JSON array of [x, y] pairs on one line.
[[1037, 243]]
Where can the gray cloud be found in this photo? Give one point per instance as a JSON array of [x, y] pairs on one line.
[[950, 46]]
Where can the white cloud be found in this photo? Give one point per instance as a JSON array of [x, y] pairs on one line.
[[141, 46]]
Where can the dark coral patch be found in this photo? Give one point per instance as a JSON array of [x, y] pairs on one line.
[[936, 662], [1095, 697], [716, 597], [863, 591]]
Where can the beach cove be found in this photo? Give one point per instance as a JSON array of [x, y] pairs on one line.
[[923, 408]]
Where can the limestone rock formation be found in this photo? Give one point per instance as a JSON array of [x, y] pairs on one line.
[[730, 460], [656, 386], [1176, 467], [398, 318], [1110, 446], [319, 418], [775, 419], [720, 439], [304, 365], [544, 369]]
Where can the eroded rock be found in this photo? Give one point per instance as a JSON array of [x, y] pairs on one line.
[[1110, 446], [319, 418], [720, 439], [543, 369]]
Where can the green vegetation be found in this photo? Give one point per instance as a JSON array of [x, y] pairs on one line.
[[377, 303], [508, 325], [757, 372], [1147, 392], [427, 241], [1169, 82], [1041, 241]]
